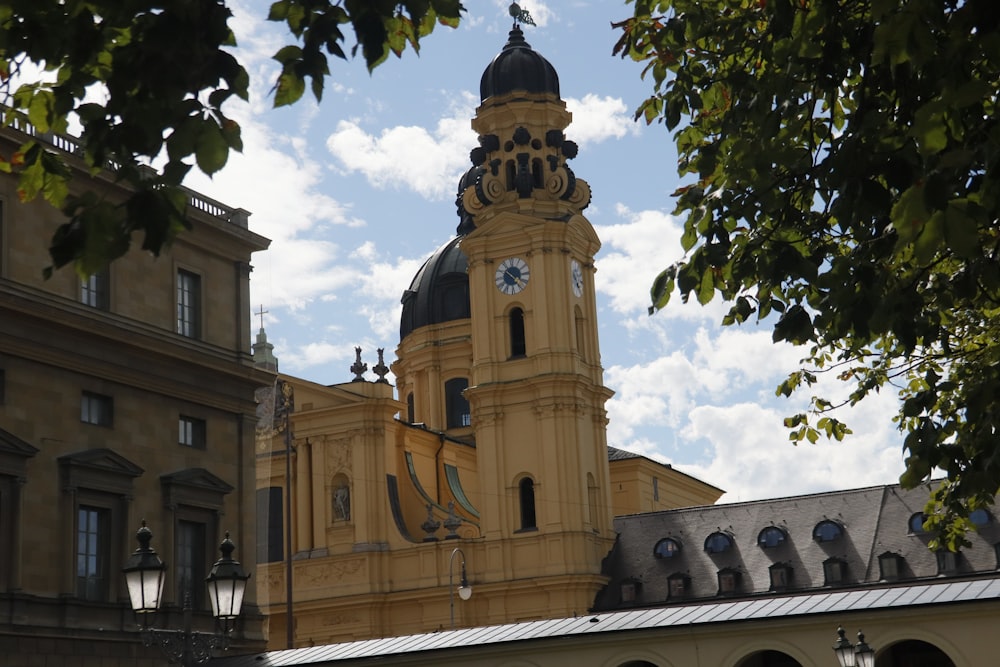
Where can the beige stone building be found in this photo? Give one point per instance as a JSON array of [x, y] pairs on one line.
[[127, 396]]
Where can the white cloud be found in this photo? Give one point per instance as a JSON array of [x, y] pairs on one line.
[[597, 118], [428, 163]]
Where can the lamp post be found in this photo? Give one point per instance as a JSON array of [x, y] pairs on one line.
[[227, 582], [464, 589], [853, 655]]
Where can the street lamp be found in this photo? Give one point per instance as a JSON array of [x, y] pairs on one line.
[[227, 582], [464, 589], [853, 655]]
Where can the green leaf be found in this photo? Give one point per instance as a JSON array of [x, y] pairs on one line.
[[211, 148]]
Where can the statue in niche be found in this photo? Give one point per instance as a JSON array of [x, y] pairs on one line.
[[342, 503]]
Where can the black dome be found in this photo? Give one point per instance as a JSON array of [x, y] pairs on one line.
[[439, 292], [518, 67]]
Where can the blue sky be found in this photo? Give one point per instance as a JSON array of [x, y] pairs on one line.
[[357, 191]]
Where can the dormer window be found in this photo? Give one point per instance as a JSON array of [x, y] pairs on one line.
[[729, 581], [718, 542], [828, 530], [668, 547], [630, 591], [834, 571], [780, 575], [916, 523], [980, 518], [771, 537], [678, 585], [947, 561], [890, 566]]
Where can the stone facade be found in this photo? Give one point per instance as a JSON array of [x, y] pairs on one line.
[[109, 415]]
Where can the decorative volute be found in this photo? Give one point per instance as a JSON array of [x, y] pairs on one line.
[[521, 164]]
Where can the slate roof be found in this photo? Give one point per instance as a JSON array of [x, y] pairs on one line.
[[424, 647], [875, 520]]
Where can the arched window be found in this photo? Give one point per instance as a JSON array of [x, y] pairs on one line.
[[827, 531], [980, 517], [456, 404], [517, 346], [526, 494], [580, 342], [916, 523], [771, 537], [718, 542], [668, 547]]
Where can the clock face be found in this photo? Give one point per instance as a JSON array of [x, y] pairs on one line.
[[576, 277], [512, 275]]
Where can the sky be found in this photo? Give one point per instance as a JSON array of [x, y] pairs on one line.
[[356, 191]]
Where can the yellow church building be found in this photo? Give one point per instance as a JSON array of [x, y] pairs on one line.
[[488, 462]]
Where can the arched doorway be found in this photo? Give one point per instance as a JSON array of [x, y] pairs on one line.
[[769, 659], [912, 653]]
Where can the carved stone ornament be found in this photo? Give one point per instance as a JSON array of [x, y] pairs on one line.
[[381, 370], [359, 367]]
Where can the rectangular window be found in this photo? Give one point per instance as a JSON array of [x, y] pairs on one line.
[[96, 409], [191, 562], [95, 290], [92, 551], [188, 304], [656, 489], [191, 432], [270, 526], [677, 587]]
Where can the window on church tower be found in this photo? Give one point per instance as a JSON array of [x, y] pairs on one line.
[[517, 346], [409, 408], [456, 405], [526, 489]]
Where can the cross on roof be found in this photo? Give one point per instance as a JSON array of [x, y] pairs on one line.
[[261, 315]]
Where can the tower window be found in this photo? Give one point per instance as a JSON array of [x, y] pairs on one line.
[[526, 493], [456, 404], [517, 346], [409, 408]]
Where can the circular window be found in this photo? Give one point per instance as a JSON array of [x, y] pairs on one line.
[[668, 547]]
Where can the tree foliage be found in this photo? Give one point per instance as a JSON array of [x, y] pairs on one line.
[[146, 78], [840, 165]]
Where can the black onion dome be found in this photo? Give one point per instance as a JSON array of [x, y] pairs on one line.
[[439, 292], [518, 67]]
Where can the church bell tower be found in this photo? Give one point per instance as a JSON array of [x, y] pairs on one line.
[[536, 388]]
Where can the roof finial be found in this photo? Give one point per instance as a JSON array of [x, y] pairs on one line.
[[520, 15]]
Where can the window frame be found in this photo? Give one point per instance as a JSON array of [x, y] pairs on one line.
[[93, 548], [782, 570], [730, 581], [834, 566], [458, 413], [188, 300], [199, 552], [95, 290], [890, 566], [97, 409], [192, 432], [683, 581]]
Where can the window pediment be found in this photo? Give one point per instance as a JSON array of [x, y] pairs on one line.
[[13, 454], [99, 469], [196, 487]]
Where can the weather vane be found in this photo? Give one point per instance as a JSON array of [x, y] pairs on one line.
[[520, 15]]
